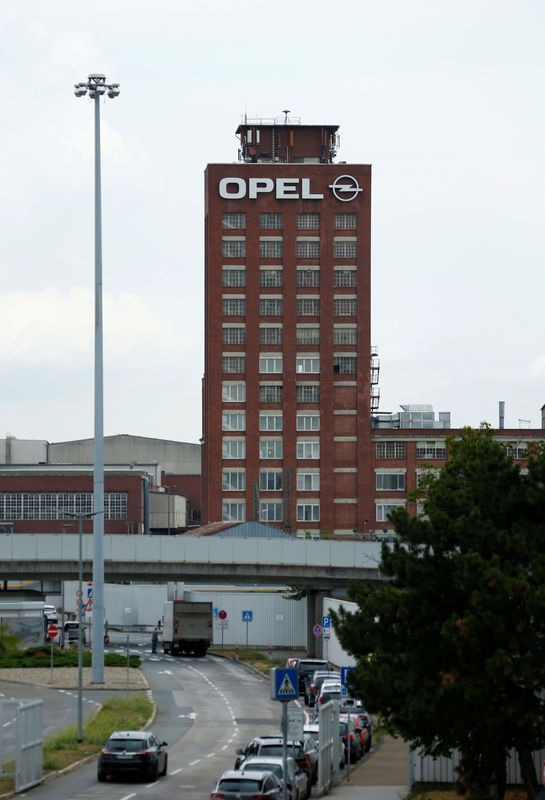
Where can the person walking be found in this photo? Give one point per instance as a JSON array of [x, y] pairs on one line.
[[154, 640]]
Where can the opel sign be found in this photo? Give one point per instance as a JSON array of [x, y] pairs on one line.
[[344, 188]]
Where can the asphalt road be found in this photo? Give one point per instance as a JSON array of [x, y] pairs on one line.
[[207, 707]]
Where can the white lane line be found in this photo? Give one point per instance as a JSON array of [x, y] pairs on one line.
[[192, 764], [175, 771], [225, 746], [210, 755], [128, 796]]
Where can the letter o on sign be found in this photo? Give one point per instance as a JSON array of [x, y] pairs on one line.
[[228, 194]]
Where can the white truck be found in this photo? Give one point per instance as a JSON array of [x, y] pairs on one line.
[[187, 627]]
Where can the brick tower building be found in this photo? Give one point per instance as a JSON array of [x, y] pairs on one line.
[[287, 384]]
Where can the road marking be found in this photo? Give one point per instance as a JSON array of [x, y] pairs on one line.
[[175, 771], [128, 796], [210, 755], [192, 764], [225, 746]]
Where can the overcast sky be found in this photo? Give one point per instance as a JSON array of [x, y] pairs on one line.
[[444, 99]]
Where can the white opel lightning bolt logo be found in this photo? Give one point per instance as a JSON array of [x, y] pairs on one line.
[[350, 186]]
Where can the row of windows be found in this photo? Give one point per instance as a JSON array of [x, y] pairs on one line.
[[304, 306], [270, 512], [236, 421], [59, 505], [305, 278], [270, 393], [272, 481], [274, 248], [232, 447], [425, 449], [342, 365], [232, 220], [272, 334]]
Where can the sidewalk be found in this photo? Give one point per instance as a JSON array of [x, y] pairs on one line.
[[382, 775]]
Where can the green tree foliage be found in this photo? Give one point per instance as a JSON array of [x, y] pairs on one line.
[[451, 651]]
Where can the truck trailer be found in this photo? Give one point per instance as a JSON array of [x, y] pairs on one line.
[[187, 627]]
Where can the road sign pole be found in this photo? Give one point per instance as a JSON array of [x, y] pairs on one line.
[[285, 750], [51, 663], [247, 623]]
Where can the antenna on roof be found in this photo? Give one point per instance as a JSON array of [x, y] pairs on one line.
[[286, 111]]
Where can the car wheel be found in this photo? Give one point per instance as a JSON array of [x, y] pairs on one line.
[[368, 744], [308, 790], [164, 770], [153, 772], [101, 775]]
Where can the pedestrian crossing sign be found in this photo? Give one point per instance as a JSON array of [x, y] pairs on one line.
[[284, 684]]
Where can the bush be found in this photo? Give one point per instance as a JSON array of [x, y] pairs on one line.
[[41, 657]]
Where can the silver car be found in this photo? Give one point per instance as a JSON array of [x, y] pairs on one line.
[[297, 784], [237, 784]]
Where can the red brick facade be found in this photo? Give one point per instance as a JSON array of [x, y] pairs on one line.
[[244, 264]]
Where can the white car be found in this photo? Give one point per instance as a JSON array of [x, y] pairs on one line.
[[297, 785], [50, 613]]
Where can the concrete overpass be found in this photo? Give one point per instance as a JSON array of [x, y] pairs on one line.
[[323, 567]]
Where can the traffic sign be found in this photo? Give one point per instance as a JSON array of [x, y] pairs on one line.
[[344, 674], [317, 630], [222, 614], [326, 622], [247, 616], [326, 633], [52, 631], [284, 684], [295, 723]]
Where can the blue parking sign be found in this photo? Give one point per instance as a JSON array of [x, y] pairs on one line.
[[326, 622]]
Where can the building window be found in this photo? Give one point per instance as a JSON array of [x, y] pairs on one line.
[[270, 448], [307, 422], [304, 335], [308, 222], [270, 222], [233, 421], [307, 364], [345, 365], [391, 450], [233, 448], [235, 335], [345, 222], [516, 449], [233, 480], [233, 392], [307, 393], [308, 307], [270, 422], [308, 512], [270, 364], [59, 505], [308, 449], [345, 248], [308, 278], [233, 512], [270, 306], [305, 249], [233, 306], [390, 482], [342, 335], [270, 481], [431, 450], [269, 335], [271, 248], [233, 277], [383, 509], [233, 220], [233, 248], [308, 481], [345, 277], [344, 307], [233, 364], [270, 393], [270, 277], [270, 512]]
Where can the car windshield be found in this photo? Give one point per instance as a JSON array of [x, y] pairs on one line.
[[126, 744], [238, 785]]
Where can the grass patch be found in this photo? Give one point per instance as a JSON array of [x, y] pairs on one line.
[[41, 657], [63, 749]]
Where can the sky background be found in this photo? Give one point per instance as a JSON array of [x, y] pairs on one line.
[[444, 99]]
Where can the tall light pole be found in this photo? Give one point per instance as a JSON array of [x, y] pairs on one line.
[[96, 86]]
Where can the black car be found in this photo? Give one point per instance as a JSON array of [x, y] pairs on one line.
[[133, 752], [306, 666]]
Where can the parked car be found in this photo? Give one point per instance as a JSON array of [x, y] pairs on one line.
[[297, 786], [242, 785], [352, 742], [361, 733], [352, 706], [313, 729], [51, 614], [329, 690], [313, 683], [310, 748], [291, 662], [133, 752], [273, 746], [306, 666]]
